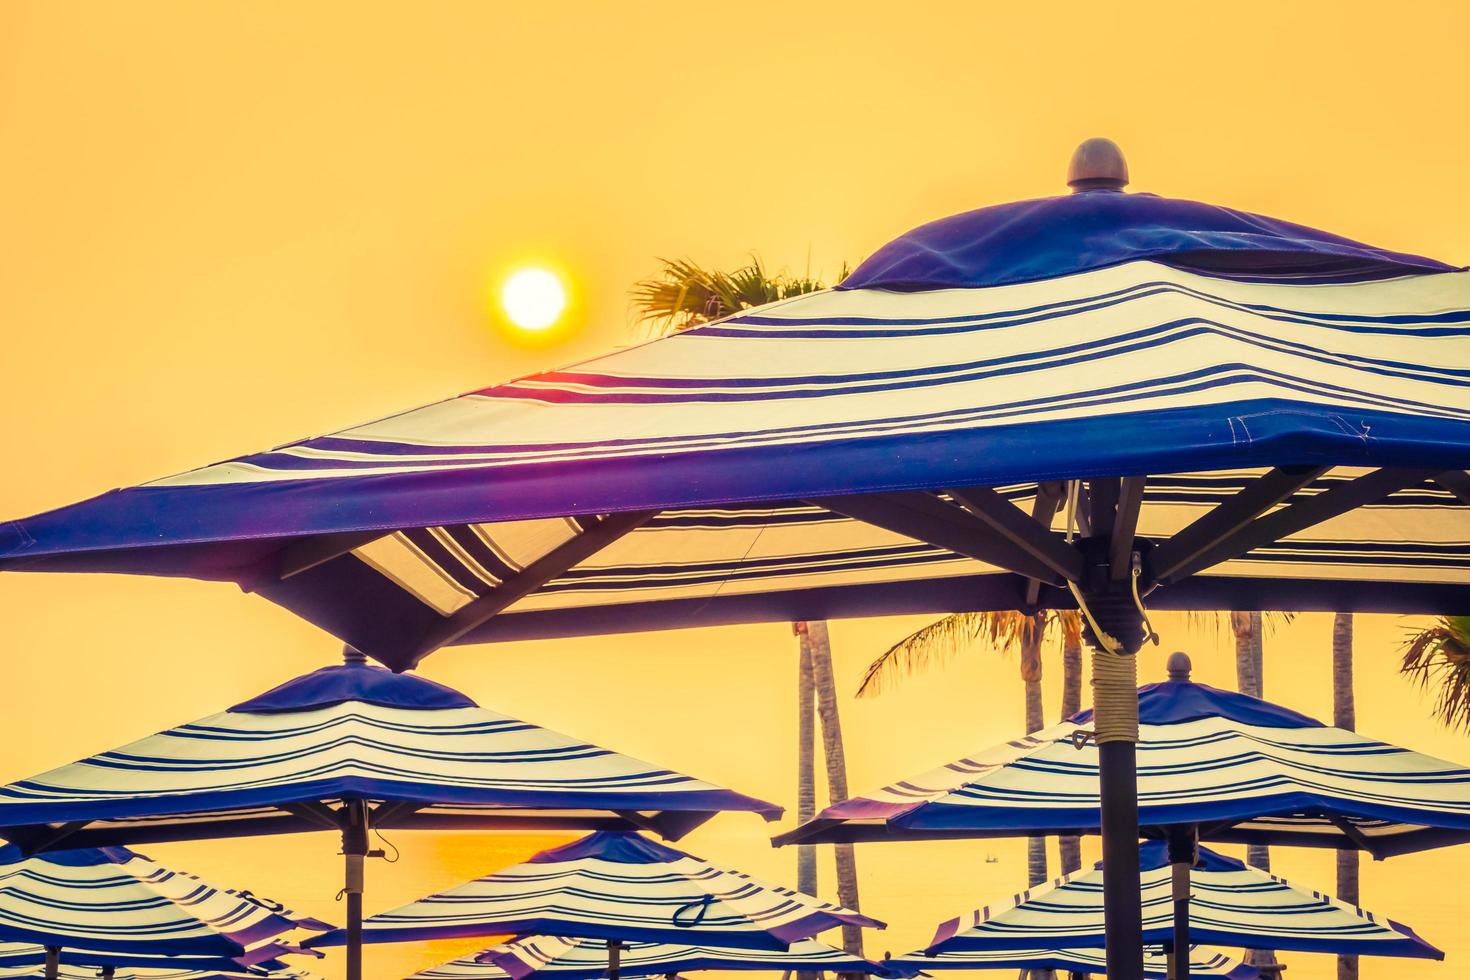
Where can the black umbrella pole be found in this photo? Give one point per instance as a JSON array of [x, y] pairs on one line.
[[53, 962], [614, 958], [1115, 725], [1181, 921], [1183, 853], [354, 855]]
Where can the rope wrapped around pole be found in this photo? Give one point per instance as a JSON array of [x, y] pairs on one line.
[[1115, 697]]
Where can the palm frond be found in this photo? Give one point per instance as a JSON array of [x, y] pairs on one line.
[[941, 641], [1439, 657], [684, 294], [1067, 622], [938, 642]]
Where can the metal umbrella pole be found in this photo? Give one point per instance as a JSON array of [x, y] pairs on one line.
[[1183, 855], [1115, 627], [53, 962], [354, 851], [1183, 844], [614, 958]]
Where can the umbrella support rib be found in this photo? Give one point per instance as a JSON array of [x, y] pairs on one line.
[[41, 837], [317, 814], [927, 518], [1289, 520], [385, 814], [1249, 503], [555, 562], [303, 556], [1359, 839], [1456, 482], [1125, 526], [1021, 529]]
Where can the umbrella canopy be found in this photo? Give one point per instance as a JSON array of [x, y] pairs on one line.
[[423, 755], [77, 971], [1203, 962], [31, 957], [618, 886], [1238, 412], [1233, 904], [112, 900], [1240, 768], [586, 959], [886, 446]]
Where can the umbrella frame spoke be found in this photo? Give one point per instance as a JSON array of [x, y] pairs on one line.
[[554, 563], [1295, 517], [926, 518]]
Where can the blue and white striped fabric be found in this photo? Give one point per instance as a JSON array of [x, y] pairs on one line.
[[1232, 904], [1243, 769], [1089, 355], [354, 732], [69, 972], [613, 886], [112, 900], [31, 958], [35, 969], [1204, 961], [587, 959]]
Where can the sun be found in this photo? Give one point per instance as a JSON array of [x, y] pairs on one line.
[[533, 299]]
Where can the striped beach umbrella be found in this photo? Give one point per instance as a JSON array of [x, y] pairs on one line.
[[1234, 905], [1204, 961], [128, 971], [587, 959], [32, 958], [619, 887], [1078, 400], [113, 900], [350, 748], [1230, 767], [1212, 764], [123, 970]]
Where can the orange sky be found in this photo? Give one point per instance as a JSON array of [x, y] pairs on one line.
[[224, 226]]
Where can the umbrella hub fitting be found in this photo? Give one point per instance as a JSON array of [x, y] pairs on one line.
[[1111, 603], [1183, 845]]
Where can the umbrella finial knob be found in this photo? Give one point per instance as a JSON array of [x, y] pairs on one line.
[[352, 655], [1179, 666], [1098, 165]]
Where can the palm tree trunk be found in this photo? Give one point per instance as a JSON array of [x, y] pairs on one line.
[[806, 769], [1258, 854], [1248, 670], [1344, 715], [826, 696], [1070, 848], [1035, 721]]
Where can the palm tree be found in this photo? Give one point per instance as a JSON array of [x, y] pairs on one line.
[[806, 782], [1249, 675], [1344, 715], [1439, 656], [682, 295], [1069, 849], [1001, 630]]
